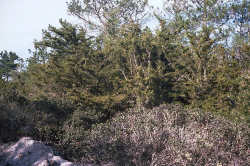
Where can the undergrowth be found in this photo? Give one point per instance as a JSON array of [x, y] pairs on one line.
[[165, 135]]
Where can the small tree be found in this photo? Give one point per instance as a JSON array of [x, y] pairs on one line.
[[7, 64]]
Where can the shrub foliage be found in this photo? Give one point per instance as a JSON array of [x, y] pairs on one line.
[[166, 134]]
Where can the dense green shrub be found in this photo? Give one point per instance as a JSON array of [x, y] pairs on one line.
[[38, 119], [77, 127], [242, 109], [166, 134], [12, 117]]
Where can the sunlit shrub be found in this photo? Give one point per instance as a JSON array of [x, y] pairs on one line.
[[166, 134]]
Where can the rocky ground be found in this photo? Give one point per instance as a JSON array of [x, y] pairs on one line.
[[27, 152]]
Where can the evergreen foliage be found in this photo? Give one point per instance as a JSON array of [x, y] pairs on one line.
[[7, 64], [107, 16], [187, 59]]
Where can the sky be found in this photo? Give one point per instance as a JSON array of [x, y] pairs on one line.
[[22, 21]]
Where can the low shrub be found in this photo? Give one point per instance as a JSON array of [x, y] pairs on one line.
[[40, 120], [167, 134]]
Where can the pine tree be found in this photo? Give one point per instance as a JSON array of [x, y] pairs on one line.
[[204, 73], [7, 64], [106, 17], [70, 67]]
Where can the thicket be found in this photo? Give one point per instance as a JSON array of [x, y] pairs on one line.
[[83, 84], [169, 134]]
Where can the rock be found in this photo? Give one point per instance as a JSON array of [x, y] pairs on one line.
[[29, 152]]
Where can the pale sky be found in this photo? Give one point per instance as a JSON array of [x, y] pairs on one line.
[[22, 21]]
